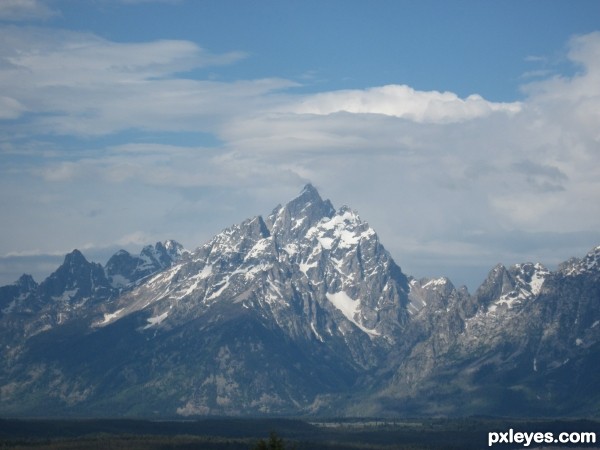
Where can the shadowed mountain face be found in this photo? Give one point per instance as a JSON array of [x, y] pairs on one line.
[[301, 312]]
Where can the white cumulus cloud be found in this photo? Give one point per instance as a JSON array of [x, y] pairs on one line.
[[405, 102]]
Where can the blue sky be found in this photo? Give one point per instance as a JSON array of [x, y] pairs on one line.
[[464, 132], [461, 46]]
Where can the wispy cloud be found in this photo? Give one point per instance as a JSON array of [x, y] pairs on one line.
[[10, 108], [64, 82], [22, 10]]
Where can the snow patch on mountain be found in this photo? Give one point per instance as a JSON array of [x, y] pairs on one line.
[[349, 308], [156, 320], [435, 283], [109, 317], [342, 231]]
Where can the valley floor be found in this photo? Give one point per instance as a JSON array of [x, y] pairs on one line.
[[233, 434]]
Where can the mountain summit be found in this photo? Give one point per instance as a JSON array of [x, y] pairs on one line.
[[301, 312]]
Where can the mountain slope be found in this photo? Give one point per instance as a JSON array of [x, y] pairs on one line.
[[526, 343]]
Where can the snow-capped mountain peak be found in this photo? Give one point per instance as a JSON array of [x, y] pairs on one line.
[[123, 269], [333, 257], [174, 249], [576, 266], [294, 219], [508, 288]]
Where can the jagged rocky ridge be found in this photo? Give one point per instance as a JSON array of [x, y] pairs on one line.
[[301, 312]]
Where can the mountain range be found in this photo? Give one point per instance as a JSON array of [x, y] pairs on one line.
[[302, 312]]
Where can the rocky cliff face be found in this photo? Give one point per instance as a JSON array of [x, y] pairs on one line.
[[301, 312]]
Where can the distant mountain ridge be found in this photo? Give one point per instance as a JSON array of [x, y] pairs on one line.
[[301, 312]]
